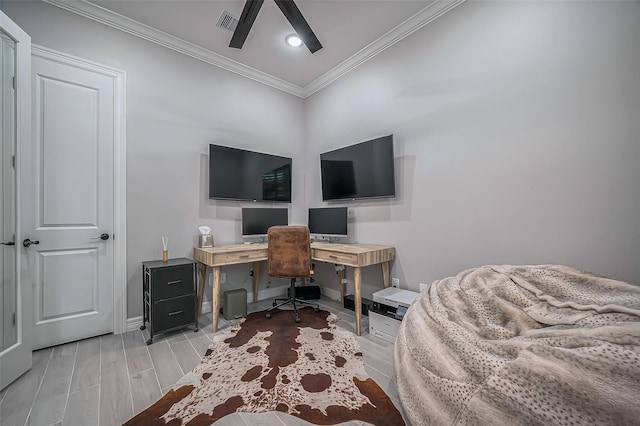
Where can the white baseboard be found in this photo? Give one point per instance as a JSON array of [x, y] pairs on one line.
[[206, 307], [269, 293], [331, 293], [135, 323]]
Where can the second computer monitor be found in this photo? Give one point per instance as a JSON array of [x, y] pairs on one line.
[[328, 222]]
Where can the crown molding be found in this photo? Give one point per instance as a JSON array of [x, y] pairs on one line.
[[405, 29], [114, 20], [145, 32]]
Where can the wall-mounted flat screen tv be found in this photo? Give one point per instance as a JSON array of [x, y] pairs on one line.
[[329, 222], [238, 174], [256, 221], [363, 170]]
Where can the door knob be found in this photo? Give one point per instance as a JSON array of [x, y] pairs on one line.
[[103, 237], [27, 242]]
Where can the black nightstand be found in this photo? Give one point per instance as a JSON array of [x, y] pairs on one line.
[[169, 295]]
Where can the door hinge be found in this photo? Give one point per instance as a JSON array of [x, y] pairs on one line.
[[13, 161], [14, 82], [14, 318]]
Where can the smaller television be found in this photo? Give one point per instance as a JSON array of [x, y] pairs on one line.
[[328, 222], [256, 221], [363, 170]]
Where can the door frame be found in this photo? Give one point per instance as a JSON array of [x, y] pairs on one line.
[[119, 176]]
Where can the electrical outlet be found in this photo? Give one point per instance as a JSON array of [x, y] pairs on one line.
[[423, 286], [395, 282], [223, 277]]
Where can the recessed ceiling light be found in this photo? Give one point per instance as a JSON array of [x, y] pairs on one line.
[[293, 40]]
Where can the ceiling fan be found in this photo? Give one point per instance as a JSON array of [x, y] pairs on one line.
[[290, 11]]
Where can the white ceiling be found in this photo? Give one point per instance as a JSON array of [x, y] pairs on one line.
[[350, 31]]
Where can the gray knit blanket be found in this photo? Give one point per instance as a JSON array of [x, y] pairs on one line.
[[521, 345]]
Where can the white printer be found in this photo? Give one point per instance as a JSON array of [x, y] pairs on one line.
[[387, 311]]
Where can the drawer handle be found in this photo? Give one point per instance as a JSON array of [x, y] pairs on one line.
[[176, 312], [174, 282], [333, 256], [246, 256]]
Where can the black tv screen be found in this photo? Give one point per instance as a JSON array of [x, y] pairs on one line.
[[328, 221], [238, 174], [256, 221], [363, 170]]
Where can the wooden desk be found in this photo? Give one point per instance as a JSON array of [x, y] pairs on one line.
[[356, 256]]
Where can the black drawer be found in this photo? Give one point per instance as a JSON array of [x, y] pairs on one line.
[[173, 313], [172, 282]]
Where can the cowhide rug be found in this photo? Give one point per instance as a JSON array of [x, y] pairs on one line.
[[312, 370]]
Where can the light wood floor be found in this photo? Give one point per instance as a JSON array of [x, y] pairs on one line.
[[104, 381]]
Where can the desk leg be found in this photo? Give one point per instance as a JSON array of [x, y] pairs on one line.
[[357, 279], [256, 280], [385, 274], [202, 274], [341, 285], [215, 298]]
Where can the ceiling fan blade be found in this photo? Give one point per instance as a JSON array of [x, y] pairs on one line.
[[299, 24], [248, 17]]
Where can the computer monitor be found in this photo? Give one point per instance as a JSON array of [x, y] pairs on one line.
[[256, 221], [328, 222]]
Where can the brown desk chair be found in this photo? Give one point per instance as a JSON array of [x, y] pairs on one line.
[[289, 256]]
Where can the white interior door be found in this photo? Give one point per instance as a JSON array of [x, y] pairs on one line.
[[7, 194], [70, 239], [15, 114]]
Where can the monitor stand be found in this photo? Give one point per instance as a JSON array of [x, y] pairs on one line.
[[325, 240], [255, 240]]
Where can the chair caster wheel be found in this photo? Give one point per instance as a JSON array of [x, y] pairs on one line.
[[150, 341], [316, 309], [274, 304], [297, 319], [268, 315]]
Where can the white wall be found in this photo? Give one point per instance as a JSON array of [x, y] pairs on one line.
[[176, 106], [517, 129]]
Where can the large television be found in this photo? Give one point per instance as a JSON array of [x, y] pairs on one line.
[[363, 170], [328, 222], [256, 221], [238, 174]]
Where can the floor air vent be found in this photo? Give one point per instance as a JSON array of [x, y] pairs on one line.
[[227, 21]]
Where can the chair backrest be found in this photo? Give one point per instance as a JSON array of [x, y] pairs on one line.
[[289, 251]]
